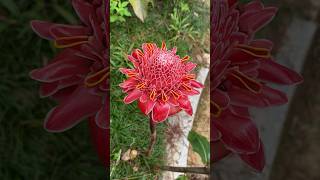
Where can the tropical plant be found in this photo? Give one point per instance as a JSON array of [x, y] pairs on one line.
[[77, 77], [180, 23], [119, 10]]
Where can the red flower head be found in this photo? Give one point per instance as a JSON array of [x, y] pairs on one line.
[[160, 81], [77, 76], [242, 68]]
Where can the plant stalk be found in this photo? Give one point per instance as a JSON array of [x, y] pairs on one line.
[[153, 137]]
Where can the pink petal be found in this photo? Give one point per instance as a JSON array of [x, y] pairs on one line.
[[215, 134], [132, 59], [160, 112], [131, 82], [174, 50], [62, 30], [87, 52], [174, 110], [242, 97], [101, 117], [273, 97], [239, 56], [81, 104], [96, 27], [173, 101], [190, 66], [196, 84], [221, 98], [65, 54], [249, 66], [231, 2], [47, 89], [63, 94], [146, 107], [252, 22], [73, 80], [60, 70], [262, 43], [257, 160], [185, 104], [132, 96], [126, 71], [191, 92], [239, 37], [83, 9], [239, 133], [144, 98], [42, 28], [240, 111], [276, 73]]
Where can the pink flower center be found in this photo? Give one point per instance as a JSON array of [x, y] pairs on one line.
[[162, 72]]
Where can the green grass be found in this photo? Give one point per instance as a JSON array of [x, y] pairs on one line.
[[129, 127], [27, 151]]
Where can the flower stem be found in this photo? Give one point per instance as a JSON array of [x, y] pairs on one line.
[[153, 137]]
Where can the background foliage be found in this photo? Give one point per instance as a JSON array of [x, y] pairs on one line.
[[27, 151]]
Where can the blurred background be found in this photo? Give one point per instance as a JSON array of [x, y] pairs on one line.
[[298, 156], [27, 151], [290, 132]]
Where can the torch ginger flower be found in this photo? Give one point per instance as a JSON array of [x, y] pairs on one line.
[[160, 81], [80, 70], [242, 68], [77, 77]]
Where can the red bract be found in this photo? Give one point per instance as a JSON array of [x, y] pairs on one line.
[[242, 68], [77, 76], [160, 80]]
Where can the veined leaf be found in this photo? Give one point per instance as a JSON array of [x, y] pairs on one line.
[[140, 8], [200, 145]]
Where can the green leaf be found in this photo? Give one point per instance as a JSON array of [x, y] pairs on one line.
[[124, 4], [113, 18], [140, 8], [182, 177], [184, 7], [200, 145]]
